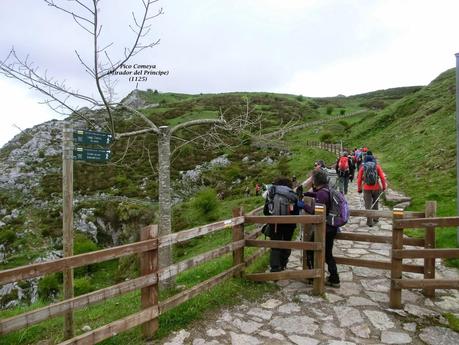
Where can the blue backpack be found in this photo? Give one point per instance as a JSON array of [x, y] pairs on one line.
[[338, 214]]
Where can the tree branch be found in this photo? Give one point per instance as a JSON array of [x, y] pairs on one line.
[[197, 122]]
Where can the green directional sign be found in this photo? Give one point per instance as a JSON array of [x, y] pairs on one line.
[[91, 138], [92, 155]]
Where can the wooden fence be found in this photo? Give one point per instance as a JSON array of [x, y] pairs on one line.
[[430, 224], [379, 264], [318, 247], [151, 308], [151, 274], [335, 148]]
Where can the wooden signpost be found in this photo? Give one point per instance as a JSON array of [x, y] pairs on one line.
[[69, 154]]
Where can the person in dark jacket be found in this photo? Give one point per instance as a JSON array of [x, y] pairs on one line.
[[278, 258], [344, 175], [321, 194]]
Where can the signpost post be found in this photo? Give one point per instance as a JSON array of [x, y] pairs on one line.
[[457, 143], [69, 154], [67, 226]]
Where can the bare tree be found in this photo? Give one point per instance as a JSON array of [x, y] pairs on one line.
[[100, 68]]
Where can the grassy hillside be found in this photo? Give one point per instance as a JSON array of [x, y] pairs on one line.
[[415, 139]]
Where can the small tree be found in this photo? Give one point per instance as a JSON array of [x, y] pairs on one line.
[[100, 69], [329, 110]]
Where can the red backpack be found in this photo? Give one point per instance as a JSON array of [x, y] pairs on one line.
[[343, 164]]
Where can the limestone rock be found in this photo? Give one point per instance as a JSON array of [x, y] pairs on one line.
[[379, 319], [439, 336], [388, 337]]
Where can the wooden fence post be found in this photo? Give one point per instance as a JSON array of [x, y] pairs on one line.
[[318, 287], [148, 265], [395, 297], [429, 242], [238, 234]]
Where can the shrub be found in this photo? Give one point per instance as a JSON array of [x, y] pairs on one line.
[[83, 244], [329, 110], [48, 287], [7, 237], [342, 111], [82, 285], [283, 167], [128, 267], [345, 124], [300, 98], [326, 137], [206, 203]]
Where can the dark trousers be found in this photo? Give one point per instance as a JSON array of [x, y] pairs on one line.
[[370, 197], [278, 258], [343, 183], [329, 258]]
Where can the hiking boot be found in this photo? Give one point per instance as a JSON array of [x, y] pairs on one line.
[[275, 269], [331, 284]]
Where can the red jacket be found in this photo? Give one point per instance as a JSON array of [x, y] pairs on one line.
[[377, 186]]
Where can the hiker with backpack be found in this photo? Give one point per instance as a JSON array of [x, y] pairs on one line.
[[372, 177], [337, 214], [351, 167], [344, 169], [280, 200]]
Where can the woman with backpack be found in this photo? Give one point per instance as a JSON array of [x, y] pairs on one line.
[[372, 177], [321, 194]]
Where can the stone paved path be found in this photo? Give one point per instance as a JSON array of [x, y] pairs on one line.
[[356, 313]]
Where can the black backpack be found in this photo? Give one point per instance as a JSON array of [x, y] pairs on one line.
[[281, 201], [370, 174]]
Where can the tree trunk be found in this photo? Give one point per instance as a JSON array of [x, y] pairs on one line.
[[165, 214]]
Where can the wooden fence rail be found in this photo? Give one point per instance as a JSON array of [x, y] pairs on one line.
[[151, 274]]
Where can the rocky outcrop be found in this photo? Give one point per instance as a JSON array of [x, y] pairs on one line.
[[395, 197]]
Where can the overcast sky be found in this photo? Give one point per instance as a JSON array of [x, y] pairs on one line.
[[308, 47]]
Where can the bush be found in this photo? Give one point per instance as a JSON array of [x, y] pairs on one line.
[[326, 137], [342, 111], [300, 98], [329, 110], [345, 124], [7, 237], [48, 287], [82, 285], [83, 244], [206, 203], [282, 166]]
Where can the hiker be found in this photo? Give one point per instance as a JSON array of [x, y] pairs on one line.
[[370, 175], [351, 168], [294, 182], [247, 191], [257, 189], [319, 164], [280, 200], [321, 194], [358, 158], [343, 170]]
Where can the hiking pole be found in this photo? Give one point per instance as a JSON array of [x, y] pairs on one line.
[[377, 200]]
